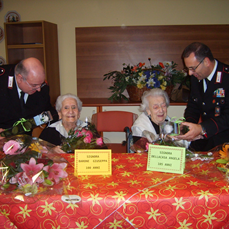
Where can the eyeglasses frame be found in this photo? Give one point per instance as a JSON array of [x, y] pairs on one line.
[[194, 69], [36, 87]]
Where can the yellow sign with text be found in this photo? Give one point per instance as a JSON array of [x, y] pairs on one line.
[[93, 162], [166, 159]]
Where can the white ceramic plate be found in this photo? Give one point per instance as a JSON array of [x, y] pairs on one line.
[[12, 16]]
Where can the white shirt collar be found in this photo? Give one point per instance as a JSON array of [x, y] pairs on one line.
[[213, 71], [19, 91], [60, 128], [210, 76]]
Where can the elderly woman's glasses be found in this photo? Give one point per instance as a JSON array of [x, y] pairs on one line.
[[158, 106], [35, 86], [193, 69]]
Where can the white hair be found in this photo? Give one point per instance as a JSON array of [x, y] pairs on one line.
[[155, 92], [61, 98]]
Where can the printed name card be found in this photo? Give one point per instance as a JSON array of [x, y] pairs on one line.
[[93, 162], [166, 159]]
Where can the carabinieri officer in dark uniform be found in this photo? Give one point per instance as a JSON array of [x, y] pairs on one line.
[[26, 79], [207, 112]]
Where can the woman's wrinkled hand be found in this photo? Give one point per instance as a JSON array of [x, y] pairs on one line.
[[150, 136], [57, 149]]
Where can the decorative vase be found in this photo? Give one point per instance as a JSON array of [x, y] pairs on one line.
[[135, 93]]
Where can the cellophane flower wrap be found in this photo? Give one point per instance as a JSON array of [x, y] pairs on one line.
[[30, 166], [83, 138], [210, 166]]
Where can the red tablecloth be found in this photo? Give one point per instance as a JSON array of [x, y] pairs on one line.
[[131, 198]]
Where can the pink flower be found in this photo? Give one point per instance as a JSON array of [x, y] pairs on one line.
[[20, 178], [99, 141], [89, 134], [79, 134], [32, 169], [56, 171], [11, 147], [147, 146], [84, 131], [87, 139]]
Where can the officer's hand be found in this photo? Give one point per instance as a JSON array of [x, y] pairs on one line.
[[0, 132], [192, 134]]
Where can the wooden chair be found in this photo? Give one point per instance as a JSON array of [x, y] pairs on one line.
[[115, 121]]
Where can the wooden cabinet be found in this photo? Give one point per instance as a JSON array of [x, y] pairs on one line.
[[35, 39]]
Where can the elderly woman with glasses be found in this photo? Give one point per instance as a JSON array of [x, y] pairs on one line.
[[68, 107], [154, 112]]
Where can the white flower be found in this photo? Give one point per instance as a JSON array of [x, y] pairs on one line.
[[142, 78], [167, 63], [150, 83]]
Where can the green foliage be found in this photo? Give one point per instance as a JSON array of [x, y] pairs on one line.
[[154, 76], [222, 161]]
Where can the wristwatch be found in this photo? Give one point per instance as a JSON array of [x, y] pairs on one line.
[[203, 132]]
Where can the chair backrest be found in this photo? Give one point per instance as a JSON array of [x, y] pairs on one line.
[[113, 121]]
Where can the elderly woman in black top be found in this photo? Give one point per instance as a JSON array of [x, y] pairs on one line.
[[68, 107]]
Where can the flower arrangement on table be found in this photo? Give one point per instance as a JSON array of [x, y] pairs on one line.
[[160, 75], [82, 138], [223, 161], [28, 165]]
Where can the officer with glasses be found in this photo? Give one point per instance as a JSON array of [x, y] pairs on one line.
[[23, 92], [207, 112]]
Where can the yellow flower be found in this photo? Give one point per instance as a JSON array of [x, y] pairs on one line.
[[224, 153], [140, 85], [164, 83], [163, 88], [160, 77]]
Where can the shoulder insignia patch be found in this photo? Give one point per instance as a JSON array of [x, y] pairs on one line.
[[2, 71], [226, 69]]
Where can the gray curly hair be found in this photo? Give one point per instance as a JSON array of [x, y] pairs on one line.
[[154, 93], [61, 98]]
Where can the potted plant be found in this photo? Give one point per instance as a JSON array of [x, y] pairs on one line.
[[138, 78]]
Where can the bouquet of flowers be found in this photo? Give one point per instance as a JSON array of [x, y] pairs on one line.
[[82, 138], [160, 75], [223, 161], [29, 166], [26, 125]]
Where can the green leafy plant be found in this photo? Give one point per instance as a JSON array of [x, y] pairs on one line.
[[160, 75]]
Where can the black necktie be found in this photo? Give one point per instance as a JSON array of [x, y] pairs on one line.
[[207, 83], [22, 101]]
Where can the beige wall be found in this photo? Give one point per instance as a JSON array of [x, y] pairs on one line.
[[68, 14]]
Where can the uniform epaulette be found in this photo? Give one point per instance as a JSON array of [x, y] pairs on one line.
[[226, 69], [2, 71]]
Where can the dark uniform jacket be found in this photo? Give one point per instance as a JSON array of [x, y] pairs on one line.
[[10, 109], [212, 107]]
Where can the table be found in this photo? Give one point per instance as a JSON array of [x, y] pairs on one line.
[[131, 198]]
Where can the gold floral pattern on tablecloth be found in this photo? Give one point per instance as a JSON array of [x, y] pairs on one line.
[[131, 198]]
